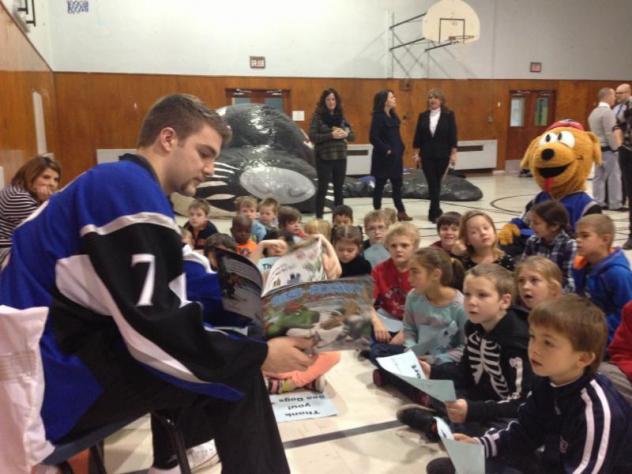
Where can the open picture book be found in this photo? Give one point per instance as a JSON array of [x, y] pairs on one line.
[[297, 300]]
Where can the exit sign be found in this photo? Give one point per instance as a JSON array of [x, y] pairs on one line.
[[257, 62]]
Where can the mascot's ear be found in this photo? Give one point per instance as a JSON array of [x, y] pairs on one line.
[[528, 155], [596, 147]]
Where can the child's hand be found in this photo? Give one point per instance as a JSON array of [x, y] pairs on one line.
[[398, 339], [459, 249], [457, 411], [380, 331], [426, 367], [276, 247], [464, 438]]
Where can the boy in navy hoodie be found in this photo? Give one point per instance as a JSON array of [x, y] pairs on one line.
[[602, 273], [583, 423]]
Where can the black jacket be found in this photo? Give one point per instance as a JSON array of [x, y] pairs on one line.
[[494, 371], [444, 139], [385, 137]]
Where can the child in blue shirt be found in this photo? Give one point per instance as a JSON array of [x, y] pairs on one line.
[[434, 317], [602, 273]]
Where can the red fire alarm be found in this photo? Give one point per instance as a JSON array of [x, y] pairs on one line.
[[257, 62], [535, 67]]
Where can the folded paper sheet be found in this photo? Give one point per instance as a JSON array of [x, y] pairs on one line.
[[467, 458], [406, 367]]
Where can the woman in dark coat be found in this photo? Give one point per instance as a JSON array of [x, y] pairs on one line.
[[388, 151], [435, 146], [330, 132]]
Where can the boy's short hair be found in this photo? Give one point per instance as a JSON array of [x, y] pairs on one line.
[[501, 278], [375, 216], [545, 267], [342, 210], [270, 202], [601, 224], [448, 218], [287, 215], [350, 233], [201, 205], [318, 226], [241, 221], [402, 229], [219, 240], [245, 201], [390, 215], [577, 319]]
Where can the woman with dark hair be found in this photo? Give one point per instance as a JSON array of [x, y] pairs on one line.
[[32, 185], [388, 150], [435, 146], [330, 132]]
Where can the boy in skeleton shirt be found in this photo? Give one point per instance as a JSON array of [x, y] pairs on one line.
[[494, 376]]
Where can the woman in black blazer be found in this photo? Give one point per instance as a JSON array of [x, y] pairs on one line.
[[388, 151], [435, 146]]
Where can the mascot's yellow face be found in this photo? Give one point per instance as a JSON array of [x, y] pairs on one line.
[[561, 160]]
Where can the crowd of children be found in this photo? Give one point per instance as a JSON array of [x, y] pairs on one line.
[[540, 350]]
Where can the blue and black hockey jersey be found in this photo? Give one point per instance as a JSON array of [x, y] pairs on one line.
[[105, 256]]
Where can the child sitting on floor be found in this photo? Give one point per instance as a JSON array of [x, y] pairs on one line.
[[581, 420], [538, 279], [478, 242], [493, 377], [550, 239], [602, 273], [375, 227], [348, 245]]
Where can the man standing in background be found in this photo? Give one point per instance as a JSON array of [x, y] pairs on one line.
[[622, 132], [607, 180]]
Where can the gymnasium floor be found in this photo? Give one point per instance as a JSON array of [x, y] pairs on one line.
[[364, 437]]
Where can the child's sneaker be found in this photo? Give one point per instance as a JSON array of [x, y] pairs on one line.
[[419, 418], [202, 455]]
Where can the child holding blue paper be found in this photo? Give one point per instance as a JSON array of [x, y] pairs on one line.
[[583, 423], [493, 377], [434, 318]]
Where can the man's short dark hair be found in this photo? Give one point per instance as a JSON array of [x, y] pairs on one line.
[[186, 114]]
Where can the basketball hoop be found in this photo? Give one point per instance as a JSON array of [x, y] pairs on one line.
[[454, 39], [450, 22]]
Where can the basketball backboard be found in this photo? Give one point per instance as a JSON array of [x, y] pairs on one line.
[[451, 21]]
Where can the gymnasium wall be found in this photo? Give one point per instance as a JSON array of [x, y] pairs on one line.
[[573, 39], [105, 110], [22, 71]]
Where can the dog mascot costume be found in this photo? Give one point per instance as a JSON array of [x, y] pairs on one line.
[[560, 160]]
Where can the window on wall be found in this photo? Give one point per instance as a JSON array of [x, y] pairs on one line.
[[541, 115], [277, 98], [517, 111]]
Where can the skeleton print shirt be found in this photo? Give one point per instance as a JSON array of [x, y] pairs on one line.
[[494, 374]]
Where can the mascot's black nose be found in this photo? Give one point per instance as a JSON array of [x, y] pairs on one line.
[[547, 154]]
